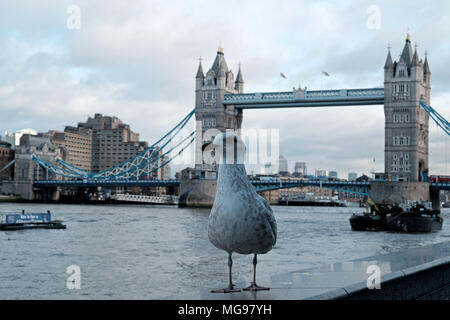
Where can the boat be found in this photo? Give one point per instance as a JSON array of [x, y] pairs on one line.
[[418, 219], [310, 200], [366, 222], [125, 198], [411, 217], [23, 221]]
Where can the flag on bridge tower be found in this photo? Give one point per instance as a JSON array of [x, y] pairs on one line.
[[282, 75], [325, 73]]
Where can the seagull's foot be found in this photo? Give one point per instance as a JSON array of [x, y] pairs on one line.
[[254, 287], [229, 289]]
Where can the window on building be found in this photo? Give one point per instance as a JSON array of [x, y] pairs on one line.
[[402, 73]]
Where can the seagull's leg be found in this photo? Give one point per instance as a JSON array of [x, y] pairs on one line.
[[230, 287], [253, 286]]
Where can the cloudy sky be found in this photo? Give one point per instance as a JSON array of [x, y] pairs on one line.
[[137, 60]]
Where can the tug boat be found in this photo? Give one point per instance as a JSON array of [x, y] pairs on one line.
[[416, 220], [366, 222], [23, 221], [410, 217]]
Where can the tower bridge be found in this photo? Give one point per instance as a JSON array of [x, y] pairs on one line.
[[362, 187], [220, 101], [219, 104], [304, 98]]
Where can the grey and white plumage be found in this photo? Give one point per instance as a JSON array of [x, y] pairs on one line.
[[240, 221]]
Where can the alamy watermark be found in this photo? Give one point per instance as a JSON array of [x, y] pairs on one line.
[[374, 280], [74, 279], [74, 18], [258, 149], [373, 21]]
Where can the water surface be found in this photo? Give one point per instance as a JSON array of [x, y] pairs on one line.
[[154, 252]]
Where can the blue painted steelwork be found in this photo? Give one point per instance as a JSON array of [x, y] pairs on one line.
[[50, 167], [129, 172], [8, 165], [144, 163], [105, 183], [345, 186], [437, 118], [300, 98], [440, 185], [144, 158]]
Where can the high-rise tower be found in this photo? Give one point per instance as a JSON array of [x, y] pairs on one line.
[[406, 83], [210, 113]]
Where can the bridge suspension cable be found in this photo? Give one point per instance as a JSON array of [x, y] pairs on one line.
[[7, 166], [437, 118], [144, 163]]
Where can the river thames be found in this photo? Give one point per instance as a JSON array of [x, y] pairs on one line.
[[156, 252]]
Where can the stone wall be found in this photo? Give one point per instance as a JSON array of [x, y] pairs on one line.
[[197, 193], [7, 187], [398, 192]]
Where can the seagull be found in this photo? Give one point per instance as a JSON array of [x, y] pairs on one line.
[[240, 221]]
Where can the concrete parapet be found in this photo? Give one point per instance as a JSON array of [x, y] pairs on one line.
[[415, 273]]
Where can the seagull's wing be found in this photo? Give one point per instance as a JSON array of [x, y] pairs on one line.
[[270, 217]]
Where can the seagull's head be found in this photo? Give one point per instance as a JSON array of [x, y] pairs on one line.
[[229, 148]]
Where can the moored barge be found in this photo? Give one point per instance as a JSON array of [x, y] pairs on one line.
[[411, 217], [23, 221]]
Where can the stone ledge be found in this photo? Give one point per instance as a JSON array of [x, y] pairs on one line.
[[416, 273]]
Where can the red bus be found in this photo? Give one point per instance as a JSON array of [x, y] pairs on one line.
[[439, 178]]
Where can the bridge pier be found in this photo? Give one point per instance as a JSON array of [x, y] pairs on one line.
[[197, 193], [50, 194], [26, 170], [435, 198], [400, 191]]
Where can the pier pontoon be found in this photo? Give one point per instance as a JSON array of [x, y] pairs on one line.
[[22, 221]]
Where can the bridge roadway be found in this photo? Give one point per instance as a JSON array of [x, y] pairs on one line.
[[305, 98], [260, 185]]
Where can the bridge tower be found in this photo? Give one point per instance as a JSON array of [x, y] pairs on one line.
[[406, 83], [210, 113]]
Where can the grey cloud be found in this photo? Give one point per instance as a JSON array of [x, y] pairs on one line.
[[137, 60]]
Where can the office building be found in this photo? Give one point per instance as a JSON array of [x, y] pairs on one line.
[[333, 174], [300, 168], [76, 146], [352, 176], [282, 165]]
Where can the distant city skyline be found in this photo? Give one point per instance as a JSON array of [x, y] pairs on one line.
[[138, 62]]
